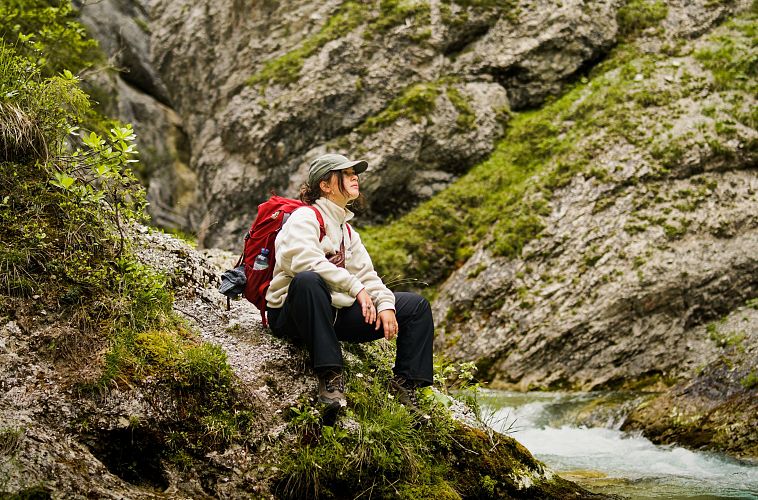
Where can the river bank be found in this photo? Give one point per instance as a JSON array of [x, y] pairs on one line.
[[579, 436]]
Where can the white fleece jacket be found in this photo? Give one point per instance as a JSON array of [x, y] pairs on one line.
[[298, 249]]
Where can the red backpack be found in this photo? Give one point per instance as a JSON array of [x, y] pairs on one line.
[[272, 214]]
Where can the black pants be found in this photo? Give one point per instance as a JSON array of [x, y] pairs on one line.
[[308, 315]]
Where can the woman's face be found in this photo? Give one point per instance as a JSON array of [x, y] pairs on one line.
[[343, 187]]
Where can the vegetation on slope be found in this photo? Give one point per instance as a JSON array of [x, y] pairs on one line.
[[67, 205], [375, 20], [68, 199], [382, 448]]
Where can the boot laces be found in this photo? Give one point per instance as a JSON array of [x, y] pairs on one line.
[[334, 381], [413, 397], [409, 389]]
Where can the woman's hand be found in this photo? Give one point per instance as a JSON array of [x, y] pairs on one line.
[[367, 307], [389, 321]]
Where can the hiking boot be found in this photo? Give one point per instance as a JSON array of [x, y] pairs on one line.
[[405, 392], [331, 388]]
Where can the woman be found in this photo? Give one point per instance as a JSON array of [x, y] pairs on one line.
[[326, 290]]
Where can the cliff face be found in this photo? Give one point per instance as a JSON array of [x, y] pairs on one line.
[[419, 90], [651, 238], [645, 246]]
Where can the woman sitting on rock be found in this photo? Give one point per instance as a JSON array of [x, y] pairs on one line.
[[326, 290]]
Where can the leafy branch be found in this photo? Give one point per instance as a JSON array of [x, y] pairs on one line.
[[97, 175]]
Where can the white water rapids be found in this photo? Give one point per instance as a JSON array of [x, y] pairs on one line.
[[605, 460]]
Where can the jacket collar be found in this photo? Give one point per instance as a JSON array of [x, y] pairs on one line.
[[333, 211]]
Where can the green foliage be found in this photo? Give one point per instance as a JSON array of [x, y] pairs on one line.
[[36, 112], [69, 200], [388, 450], [637, 15], [379, 446], [47, 33], [212, 412]]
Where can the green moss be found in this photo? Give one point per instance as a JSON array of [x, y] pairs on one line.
[[416, 103], [730, 57], [466, 116], [504, 199], [394, 12], [674, 232], [350, 15], [750, 381], [286, 69], [638, 15], [466, 9]]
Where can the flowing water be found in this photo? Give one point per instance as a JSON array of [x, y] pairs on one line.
[[578, 436]]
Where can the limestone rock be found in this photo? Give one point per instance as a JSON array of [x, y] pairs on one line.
[[247, 139], [639, 252]]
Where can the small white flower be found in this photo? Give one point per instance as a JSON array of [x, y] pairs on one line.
[[359, 375]]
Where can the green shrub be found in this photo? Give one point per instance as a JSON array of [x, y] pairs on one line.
[[47, 33], [379, 446], [68, 205]]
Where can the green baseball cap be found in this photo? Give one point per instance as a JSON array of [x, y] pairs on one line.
[[332, 161]]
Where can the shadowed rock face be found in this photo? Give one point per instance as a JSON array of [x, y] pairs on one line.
[[422, 96]]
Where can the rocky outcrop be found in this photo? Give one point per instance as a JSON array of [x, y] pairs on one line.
[[420, 91], [717, 408], [652, 239], [132, 90], [59, 439]]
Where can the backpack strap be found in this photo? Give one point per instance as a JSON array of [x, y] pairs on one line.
[[320, 218], [322, 228]]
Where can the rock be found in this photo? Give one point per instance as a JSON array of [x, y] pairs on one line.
[[617, 289], [240, 140], [717, 408]]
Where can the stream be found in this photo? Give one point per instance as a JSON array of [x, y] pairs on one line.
[[578, 436]]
